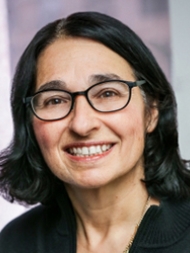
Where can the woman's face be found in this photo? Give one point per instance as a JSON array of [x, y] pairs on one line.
[[119, 136]]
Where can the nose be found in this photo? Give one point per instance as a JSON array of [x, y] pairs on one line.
[[83, 118]]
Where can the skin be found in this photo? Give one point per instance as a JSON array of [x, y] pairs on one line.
[[100, 186]]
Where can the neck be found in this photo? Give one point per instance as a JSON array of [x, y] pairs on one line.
[[107, 214]]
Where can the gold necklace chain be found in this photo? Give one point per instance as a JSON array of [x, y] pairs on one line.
[[127, 248]]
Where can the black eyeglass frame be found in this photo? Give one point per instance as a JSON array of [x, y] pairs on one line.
[[130, 84]]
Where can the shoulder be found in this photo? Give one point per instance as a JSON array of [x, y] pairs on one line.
[[177, 209], [27, 220], [26, 228], [174, 216], [167, 227]]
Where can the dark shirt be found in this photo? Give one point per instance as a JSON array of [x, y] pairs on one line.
[[164, 229]]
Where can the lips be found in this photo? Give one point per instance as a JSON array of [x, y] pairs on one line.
[[89, 151]]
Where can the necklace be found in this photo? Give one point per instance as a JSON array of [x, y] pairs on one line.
[[127, 248]]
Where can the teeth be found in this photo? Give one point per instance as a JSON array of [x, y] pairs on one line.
[[85, 151], [104, 148], [89, 151], [92, 150], [78, 151], [98, 150]]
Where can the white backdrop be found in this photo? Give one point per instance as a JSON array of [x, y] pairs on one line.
[[180, 43]]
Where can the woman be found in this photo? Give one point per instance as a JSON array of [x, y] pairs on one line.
[[96, 143]]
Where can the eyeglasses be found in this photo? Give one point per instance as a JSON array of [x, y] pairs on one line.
[[106, 96]]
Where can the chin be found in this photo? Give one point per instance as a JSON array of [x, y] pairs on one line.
[[87, 182]]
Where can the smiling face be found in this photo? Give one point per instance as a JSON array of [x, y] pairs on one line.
[[90, 149]]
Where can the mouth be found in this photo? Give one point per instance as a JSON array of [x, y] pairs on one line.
[[89, 151]]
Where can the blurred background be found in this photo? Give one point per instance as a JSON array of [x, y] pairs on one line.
[[163, 25]]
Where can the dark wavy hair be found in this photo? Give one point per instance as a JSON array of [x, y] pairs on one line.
[[24, 175]]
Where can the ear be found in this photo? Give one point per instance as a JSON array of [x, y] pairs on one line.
[[152, 118]]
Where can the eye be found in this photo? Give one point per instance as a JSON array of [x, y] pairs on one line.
[[54, 101], [51, 101], [107, 93]]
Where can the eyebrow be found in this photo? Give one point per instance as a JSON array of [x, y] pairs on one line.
[[54, 84], [61, 85], [103, 77]]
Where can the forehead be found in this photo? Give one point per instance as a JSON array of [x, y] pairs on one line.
[[76, 59]]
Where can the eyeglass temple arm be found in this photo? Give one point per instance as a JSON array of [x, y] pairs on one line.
[[26, 100], [134, 84], [140, 82]]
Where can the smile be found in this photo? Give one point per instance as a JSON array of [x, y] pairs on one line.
[[89, 151]]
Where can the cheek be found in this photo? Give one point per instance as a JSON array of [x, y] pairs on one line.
[[131, 123], [46, 134], [134, 137]]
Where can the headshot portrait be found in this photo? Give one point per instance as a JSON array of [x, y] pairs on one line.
[[95, 153]]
